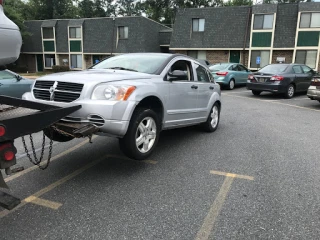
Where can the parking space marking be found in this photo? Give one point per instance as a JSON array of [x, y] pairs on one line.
[[275, 102], [19, 174], [233, 175], [215, 209], [43, 202], [64, 180]]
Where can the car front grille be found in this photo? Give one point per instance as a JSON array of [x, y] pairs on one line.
[[57, 91]]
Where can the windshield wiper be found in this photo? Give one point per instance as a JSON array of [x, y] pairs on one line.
[[122, 68]]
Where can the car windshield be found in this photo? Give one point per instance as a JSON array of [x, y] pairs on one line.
[[218, 67], [5, 75], [146, 63], [274, 69]]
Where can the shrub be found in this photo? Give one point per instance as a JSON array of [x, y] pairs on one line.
[[59, 68]]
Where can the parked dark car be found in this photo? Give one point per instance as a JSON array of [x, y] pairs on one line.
[[13, 85], [314, 89], [286, 79]]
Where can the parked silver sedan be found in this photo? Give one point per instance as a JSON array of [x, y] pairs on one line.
[[135, 96], [314, 89]]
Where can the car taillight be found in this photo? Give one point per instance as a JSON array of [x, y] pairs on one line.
[[2, 129], [276, 78], [250, 77], [222, 73], [315, 82], [9, 155]]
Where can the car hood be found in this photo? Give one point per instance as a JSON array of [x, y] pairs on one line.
[[96, 76]]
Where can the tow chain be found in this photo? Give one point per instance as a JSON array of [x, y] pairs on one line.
[[62, 132], [37, 161]]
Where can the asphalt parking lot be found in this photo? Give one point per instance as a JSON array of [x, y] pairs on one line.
[[256, 177]]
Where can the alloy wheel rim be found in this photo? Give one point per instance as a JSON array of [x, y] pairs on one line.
[[146, 134], [290, 91], [214, 116], [231, 84]]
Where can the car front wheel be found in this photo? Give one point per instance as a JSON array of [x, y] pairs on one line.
[[142, 135]]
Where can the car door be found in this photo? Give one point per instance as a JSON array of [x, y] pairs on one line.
[[308, 74], [299, 77], [183, 94], [205, 90], [244, 73]]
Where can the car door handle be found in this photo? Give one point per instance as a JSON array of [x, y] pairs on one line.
[[194, 87], [211, 87]]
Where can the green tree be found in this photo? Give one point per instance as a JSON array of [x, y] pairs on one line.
[[239, 3], [99, 8], [86, 9]]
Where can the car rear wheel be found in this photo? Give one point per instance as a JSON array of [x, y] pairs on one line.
[[231, 85], [290, 91], [142, 135], [256, 93], [213, 119]]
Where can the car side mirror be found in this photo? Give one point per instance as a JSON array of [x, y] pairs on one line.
[[18, 77], [177, 75]]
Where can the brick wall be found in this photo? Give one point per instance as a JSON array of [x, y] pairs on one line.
[[288, 54], [218, 56], [244, 58], [60, 59], [26, 62], [88, 61]]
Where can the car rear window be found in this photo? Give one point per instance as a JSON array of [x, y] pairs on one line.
[[274, 69], [218, 67]]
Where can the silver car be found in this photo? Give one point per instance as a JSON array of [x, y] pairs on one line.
[[133, 97]]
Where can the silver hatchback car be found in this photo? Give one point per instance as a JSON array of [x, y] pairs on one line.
[[133, 97]]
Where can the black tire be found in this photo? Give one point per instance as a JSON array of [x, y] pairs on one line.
[[290, 91], [56, 136], [231, 84], [256, 93], [208, 126], [128, 143]]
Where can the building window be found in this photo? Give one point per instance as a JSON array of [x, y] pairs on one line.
[[75, 46], [198, 25], [47, 33], [48, 46], [74, 32], [76, 61], [263, 21], [261, 39], [50, 60], [308, 58], [198, 54], [123, 32], [264, 59], [310, 20], [308, 39]]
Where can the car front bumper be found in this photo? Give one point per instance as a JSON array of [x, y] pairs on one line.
[[274, 88], [313, 93], [111, 117]]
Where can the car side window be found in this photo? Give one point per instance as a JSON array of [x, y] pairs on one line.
[[202, 74], [297, 69], [211, 78], [185, 66], [242, 68], [306, 69], [4, 75], [234, 67]]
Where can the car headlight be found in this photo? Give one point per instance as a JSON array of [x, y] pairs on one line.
[[112, 92]]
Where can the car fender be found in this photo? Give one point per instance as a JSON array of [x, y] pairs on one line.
[[230, 76], [214, 98]]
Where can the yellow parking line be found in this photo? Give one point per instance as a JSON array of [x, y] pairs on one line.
[[209, 221], [62, 181], [43, 202], [19, 174], [232, 175], [215, 209], [275, 102]]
